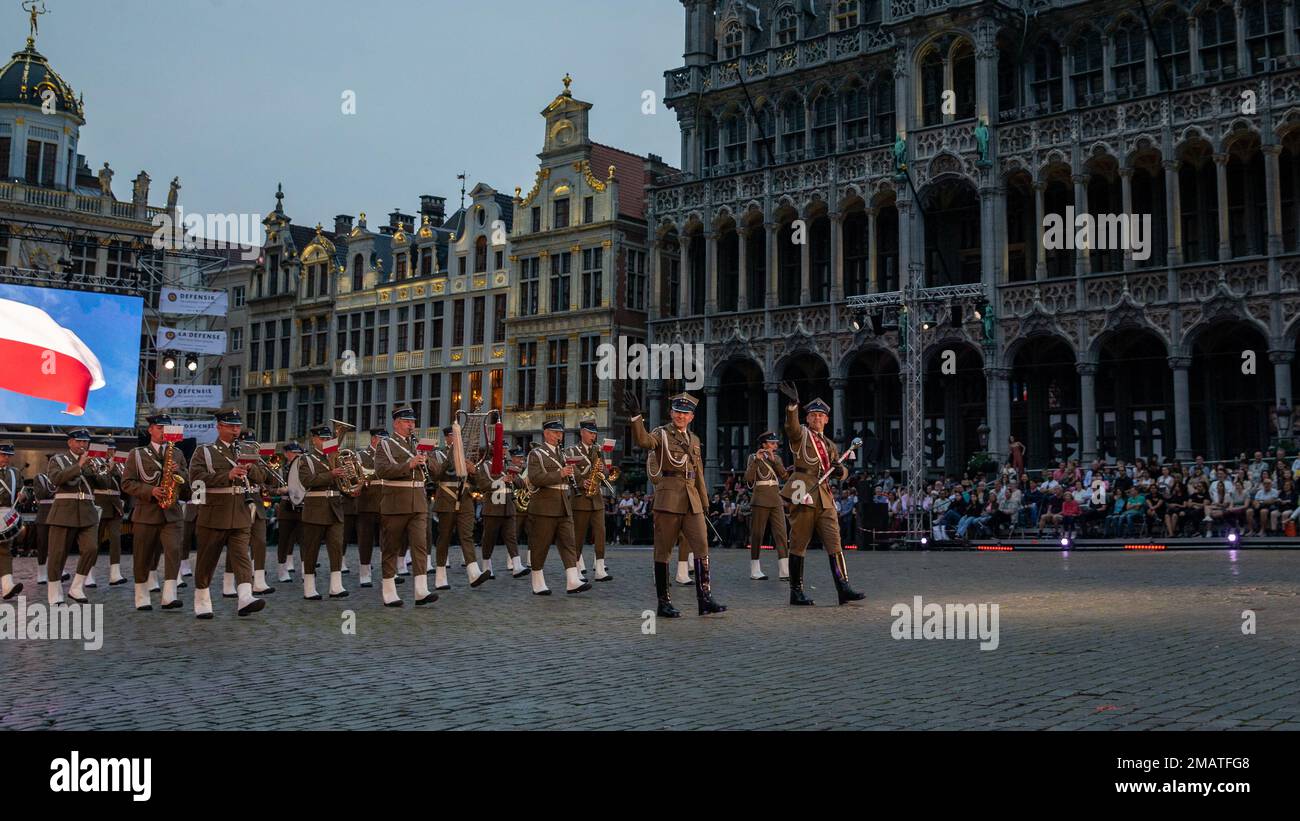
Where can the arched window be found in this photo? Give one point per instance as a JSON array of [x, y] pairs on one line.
[[1170, 34], [733, 41], [1130, 60], [480, 254], [857, 116], [787, 26], [1048, 95], [764, 137], [824, 124], [1265, 27], [963, 79], [793, 122], [735, 140], [1218, 40], [1008, 82], [932, 87], [846, 15], [1086, 68], [358, 273]]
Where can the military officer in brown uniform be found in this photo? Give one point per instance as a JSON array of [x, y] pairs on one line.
[[454, 504], [403, 507], [368, 504], [256, 534], [11, 488], [681, 498], [218, 486], [813, 503], [589, 511], [550, 513], [74, 519], [500, 512], [288, 518], [153, 529], [765, 475], [108, 498]]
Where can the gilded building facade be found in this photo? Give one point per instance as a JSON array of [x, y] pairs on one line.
[[350, 322], [578, 274], [796, 116]]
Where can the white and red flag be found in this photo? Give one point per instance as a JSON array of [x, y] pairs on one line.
[[173, 433], [45, 360], [329, 446], [426, 445]]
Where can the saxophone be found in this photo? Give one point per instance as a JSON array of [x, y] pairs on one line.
[[170, 481], [599, 477]]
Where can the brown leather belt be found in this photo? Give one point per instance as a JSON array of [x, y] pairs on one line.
[[677, 474]]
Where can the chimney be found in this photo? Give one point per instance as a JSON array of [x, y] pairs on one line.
[[435, 208], [343, 225]]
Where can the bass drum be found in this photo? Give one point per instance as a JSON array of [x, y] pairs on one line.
[[11, 524]]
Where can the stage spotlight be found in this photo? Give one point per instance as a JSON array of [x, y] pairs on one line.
[[855, 323], [191, 363], [1065, 541], [169, 361], [924, 541], [1232, 538]]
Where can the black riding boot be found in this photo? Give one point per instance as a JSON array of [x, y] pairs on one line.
[[840, 571], [797, 596], [666, 608], [703, 589]]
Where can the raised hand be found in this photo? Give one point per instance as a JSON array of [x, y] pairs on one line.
[[791, 392], [631, 404]]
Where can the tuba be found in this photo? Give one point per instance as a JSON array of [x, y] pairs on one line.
[[354, 476]]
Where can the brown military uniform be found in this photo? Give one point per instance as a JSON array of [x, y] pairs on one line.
[[403, 507], [224, 518], [454, 504], [152, 528], [108, 498], [322, 512], [288, 522], [498, 517], [368, 504], [73, 518], [550, 513], [44, 501], [813, 502], [766, 507], [680, 498], [589, 511]]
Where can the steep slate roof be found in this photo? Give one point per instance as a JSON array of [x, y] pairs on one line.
[[629, 171]]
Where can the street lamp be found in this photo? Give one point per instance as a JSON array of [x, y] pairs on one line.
[[1283, 411], [983, 431]]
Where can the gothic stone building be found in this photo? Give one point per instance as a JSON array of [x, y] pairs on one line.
[[790, 110]]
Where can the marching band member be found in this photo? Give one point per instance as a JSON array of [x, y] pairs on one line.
[[403, 507], [289, 519], [223, 518], [257, 534], [550, 513], [154, 529], [108, 498], [73, 516], [322, 515], [589, 510], [453, 502], [499, 511], [368, 508], [44, 502], [765, 475], [11, 488], [815, 455], [681, 498]]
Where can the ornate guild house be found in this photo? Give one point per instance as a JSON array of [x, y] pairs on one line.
[[931, 138]]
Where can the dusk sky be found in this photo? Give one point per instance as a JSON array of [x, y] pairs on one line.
[[235, 96]]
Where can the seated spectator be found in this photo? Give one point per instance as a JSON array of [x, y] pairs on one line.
[[1259, 512], [1050, 508], [1115, 519], [1288, 509], [1156, 507], [1175, 509], [1069, 513]]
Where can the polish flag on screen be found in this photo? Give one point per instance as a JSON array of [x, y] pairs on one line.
[[45, 360]]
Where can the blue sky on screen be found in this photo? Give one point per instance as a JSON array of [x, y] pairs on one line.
[[110, 326]]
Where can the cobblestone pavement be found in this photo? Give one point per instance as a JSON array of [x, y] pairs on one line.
[[1087, 640]]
